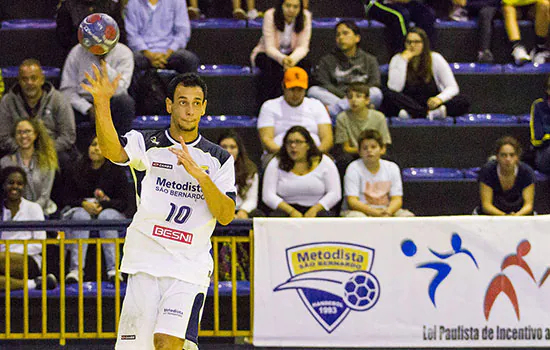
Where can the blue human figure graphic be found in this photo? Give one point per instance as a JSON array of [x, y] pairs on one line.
[[408, 247]]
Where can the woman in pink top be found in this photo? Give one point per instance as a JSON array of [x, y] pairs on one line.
[[286, 33]]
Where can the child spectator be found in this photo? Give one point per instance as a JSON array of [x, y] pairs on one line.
[[16, 208], [284, 44], [540, 130], [301, 181], [344, 65], [373, 186], [507, 185], [37, 156], [541, 11], [100, 190], [246, 176], [421, 83]]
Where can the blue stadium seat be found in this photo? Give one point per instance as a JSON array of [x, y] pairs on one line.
[[431, 174], [471, 24], [524, 118], [471, 173], [394, 121], [487, 119], [224, 69], [476, 68], [529, 68], [23, 24], [330, 22], [255, 23], [521, 23], [376, 24], [151, 122], [540, 176], [383, 68], [218, 23], [218, 121], [108, 290], [49, 72]]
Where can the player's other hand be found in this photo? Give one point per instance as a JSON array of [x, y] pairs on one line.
[[100, 86], [185, 159]]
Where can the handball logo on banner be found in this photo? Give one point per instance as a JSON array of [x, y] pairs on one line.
[[332, 278]]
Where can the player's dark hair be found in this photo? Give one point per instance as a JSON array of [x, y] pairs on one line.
[[350, 24], [508, 140], [285, 162], [279, 17], [187, 80], [370, 134], [245, 169], [6, 172]]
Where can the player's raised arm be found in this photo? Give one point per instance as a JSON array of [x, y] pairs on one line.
[[102, 89]]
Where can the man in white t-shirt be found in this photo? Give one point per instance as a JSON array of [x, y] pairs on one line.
[[189, 183], [373, 186], [293, 108]]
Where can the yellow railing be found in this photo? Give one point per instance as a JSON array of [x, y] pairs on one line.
[[79, 325]]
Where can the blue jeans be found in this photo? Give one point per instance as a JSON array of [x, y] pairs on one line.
[[108, 249], [182, 61], [336, 104]]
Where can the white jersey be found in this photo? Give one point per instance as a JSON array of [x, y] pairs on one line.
[[170, 233]]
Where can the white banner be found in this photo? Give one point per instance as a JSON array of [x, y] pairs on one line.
[[402, 282]]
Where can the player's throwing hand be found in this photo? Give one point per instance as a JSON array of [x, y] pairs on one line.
[[100, 87]]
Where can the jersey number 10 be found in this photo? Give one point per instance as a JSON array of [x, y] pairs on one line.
[[182, 215]]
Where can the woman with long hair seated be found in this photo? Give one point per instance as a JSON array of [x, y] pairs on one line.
[[100, 190], [421, 84], [14, 207], [507, 185], [246, 176], [36, 155], [301, 181]]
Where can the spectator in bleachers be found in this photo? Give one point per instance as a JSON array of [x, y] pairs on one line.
[[506, 185], [540, 130], [397, 15], [351, 122], [421, 84], [2, 87], [540, 10], [71, 12], [37, 156], [158, 33], [301, 181], [373, 186], [239, 13], [246, 176], [16, 208], [286, 33], [32, 97], [344, 65], [293, 108], [80, 61], [99, 190]]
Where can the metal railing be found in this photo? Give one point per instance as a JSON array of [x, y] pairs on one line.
[[98, 319]]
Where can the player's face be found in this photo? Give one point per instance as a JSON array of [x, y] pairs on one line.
[[14, 185], [187, 108], [296, 146], [291, 9], [230, 145], [357, 100], [370, 151], [25, 135], [346, 39], [31, 80], [94, 152], [294, 96], [507, 157]]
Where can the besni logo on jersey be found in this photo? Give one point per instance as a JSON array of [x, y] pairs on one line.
[[332, 278]]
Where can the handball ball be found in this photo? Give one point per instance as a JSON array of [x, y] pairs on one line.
[[98, 33]]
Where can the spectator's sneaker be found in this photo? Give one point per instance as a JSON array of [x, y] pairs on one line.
[[540, 57], [403, 114], [194, 13], [51, 282], [459, 15], [111, 276], [520, 55], [438, 113], [253, 14], [485, 56], [239, 14], [72, 277]]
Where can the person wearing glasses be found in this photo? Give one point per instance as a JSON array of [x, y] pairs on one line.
[[301, 181], [421, 84]]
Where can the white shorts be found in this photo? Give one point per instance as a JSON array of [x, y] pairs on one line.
[[159, 305]]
